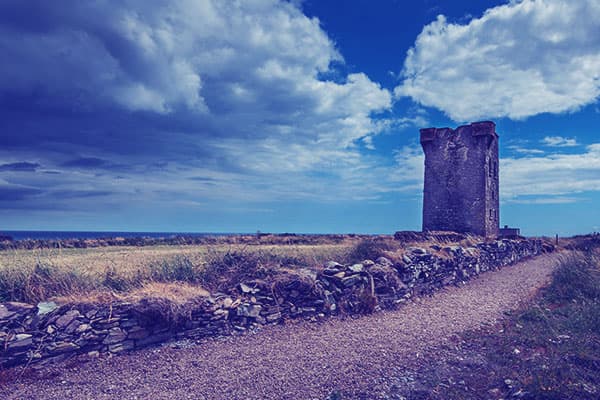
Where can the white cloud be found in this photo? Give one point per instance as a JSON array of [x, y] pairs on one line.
[[559, 141], [546, 200], [417, 119], [551, 175], [525, 150], [410, 162], [517, 60]]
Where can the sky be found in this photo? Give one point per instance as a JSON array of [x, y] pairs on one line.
[[290, 116]]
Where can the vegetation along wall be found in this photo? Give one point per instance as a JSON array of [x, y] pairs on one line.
[[30, 333]]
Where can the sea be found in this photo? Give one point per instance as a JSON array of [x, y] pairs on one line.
[[48, 235]]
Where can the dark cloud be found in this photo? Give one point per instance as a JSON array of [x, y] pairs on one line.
[[73, 194], [17, 193], [86, 162], [94, 163], [22, 166], [202, 179]]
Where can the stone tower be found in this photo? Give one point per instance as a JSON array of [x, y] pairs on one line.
[[461, 179]]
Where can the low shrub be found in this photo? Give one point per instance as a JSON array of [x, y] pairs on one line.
[[180, 269], [369, 249], [223, 272], [114, 281]]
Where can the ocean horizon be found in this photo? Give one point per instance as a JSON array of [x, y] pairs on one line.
[[61, 235]]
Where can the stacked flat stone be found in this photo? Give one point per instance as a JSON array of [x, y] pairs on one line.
[[49, 333]]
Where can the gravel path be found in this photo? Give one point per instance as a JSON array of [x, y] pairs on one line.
[[361, 357]]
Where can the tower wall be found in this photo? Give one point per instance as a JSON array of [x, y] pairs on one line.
[[461, 179]]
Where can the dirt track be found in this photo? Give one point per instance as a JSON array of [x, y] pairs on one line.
[[364, 358]]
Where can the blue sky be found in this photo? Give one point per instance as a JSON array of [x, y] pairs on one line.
[[289, 116]]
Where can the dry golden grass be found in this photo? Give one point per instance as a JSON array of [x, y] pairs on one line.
[[175, 292], [37, 275], [104, 273], [131, 259]]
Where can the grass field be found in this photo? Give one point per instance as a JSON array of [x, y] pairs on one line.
[[91, 273], [39, 274]]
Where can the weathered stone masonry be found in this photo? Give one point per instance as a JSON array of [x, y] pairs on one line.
[[461, 179], [30, 334]]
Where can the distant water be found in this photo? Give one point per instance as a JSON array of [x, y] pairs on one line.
[[46, 235]]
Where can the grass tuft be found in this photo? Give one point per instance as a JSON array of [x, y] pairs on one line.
[[576, 279], [371, 249], [181, 269]]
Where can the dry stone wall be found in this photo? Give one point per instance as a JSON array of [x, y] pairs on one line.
[[43, 333]]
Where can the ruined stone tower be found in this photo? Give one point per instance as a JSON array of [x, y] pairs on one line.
[[461, 179]]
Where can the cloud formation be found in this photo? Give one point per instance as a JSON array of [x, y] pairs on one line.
[[520, 59], [10, 193], [23, 166], [140, 97], [551, 175], [559, 141], [112, 107], [525, 150]]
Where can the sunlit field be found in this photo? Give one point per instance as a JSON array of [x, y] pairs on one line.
[[39, 274]]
